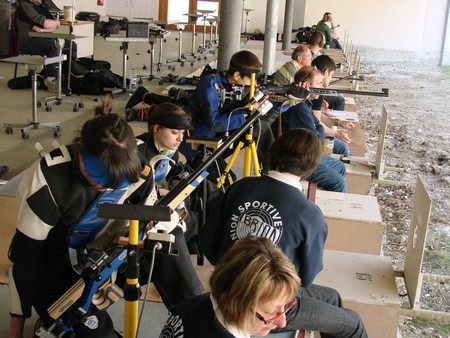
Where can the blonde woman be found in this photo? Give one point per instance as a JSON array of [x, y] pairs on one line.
[[253, 288], [326, 27]]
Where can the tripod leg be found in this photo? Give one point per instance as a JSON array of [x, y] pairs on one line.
[[256, 166], [225, 173], [248, 154]]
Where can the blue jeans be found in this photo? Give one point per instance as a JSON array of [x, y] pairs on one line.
[[329, 174], [340, 147], [320, 309], [335, 102]]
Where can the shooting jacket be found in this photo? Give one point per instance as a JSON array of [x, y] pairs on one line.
[[210, 116], [55, 215]]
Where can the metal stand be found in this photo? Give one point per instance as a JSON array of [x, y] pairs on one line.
[[214, 22], [124, 48], [152, 40], [210, 43], [204, 13], [160, 57], [163, 33], [181, 59], [34, 64], [216, 37], [71, 21], [162, 79], [59, 98], [193, 20]]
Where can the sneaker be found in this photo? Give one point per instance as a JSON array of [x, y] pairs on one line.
[[52, 85]]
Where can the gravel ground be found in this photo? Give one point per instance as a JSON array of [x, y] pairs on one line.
[[418, 142]]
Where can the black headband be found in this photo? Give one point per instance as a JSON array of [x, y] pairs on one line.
[[244, 71], [171, 121]]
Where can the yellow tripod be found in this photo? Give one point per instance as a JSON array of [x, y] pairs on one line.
[[250, 149]]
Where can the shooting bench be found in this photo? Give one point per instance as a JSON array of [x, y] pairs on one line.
[[367, 283], [354, 222], [200, 143]]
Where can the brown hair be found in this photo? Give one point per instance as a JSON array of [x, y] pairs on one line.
[[317, 39], [323, 63], [109, 137], [165, 109], [326, 17], [298, 151], [244, 62], [253, 269], [305, 73]]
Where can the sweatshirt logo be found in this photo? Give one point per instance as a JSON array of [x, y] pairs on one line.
[[258, 219], [173, 328]]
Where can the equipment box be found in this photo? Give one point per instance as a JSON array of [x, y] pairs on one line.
[[137, 30]]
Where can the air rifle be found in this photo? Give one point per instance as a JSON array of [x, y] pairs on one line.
[[283, 93], [98, 266], [74, 305], [335, 92], [96, 269], [350, 77], [177, 192]]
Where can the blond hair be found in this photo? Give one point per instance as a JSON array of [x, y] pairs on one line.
[[253, 269]]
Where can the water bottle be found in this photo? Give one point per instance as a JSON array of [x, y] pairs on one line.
[[329, 142], [133, 79], [328, 145]]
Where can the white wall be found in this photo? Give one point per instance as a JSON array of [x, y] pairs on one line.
[[257, 18], [414, 25], [83, 5]]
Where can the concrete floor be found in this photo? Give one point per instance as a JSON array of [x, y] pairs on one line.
[[18, 153], [16, 104]]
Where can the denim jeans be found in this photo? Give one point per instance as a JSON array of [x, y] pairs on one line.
[[340, 147], [335, 102], [320, 309], [47, 47], [329, 174]]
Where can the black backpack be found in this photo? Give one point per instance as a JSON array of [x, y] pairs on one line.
[[92, 76]]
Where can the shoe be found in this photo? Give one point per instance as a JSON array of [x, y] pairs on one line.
[[3, 170], [131, 114], [52, 85], [137, 97]]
